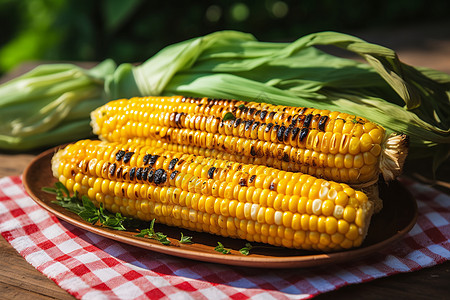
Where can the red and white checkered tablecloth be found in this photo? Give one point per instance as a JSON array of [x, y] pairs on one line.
[[89, 266]]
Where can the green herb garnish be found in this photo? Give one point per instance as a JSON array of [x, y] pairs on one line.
[[221, 249], [246, 250], [86, 209], [151, 234], [185, 239]]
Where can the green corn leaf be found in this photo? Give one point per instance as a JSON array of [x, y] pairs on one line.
[[231, 64]]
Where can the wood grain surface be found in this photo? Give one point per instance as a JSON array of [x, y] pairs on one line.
[[421, 46]]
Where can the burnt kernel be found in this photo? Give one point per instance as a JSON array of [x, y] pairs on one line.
[[263, 114], [242, 182], [173, 175], [211, 172], [172, 163], [153, 160], [295, 131], [112, 169], [160, 176], [248, 124], [150, 174], [271, 114], [268, 127], [275, 129], [272, 186], [119, 173], [280, 133], [132, 173], [257, 113], [303, 133], [127, 157], [315, 120], [287, 132], [302, 111], [119, 155], [295, 119], [146, 159], [145, 173], [252, 111], [139, 173], [105, 167], [286, 157], [300, 120], [180, 162], [255, 126], [307, 121], [253, 151], [237, 122], [178, 119], [322, 122], [252, 178]]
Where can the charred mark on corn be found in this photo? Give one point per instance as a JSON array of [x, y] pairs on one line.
[[172, 163], [173, 174], [303, 133], [280, 133], [263, 115], [146, 159], [295, 132], [151, 172], [145, 173], [211, 172], [307, 121], [322, 122], [112, 169], [132, 173], [127, 157], [120, 155], [139, 173], [160, 176], [153, 160]]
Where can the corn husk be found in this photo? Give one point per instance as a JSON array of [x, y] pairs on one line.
[[229, 64]]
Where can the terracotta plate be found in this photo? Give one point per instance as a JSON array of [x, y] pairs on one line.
[[396, 219]]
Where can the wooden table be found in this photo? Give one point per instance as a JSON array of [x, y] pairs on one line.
[[424, 46]]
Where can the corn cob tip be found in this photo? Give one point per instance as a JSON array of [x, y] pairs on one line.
[[393, 156], [372, 192], [95, 115]]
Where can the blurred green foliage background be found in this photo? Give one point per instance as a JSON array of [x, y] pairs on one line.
[[134, 30]]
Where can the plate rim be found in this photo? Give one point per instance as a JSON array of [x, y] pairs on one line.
[[257, 261]]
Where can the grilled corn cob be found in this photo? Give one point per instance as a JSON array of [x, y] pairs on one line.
[[331, 145], [246, 201]]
